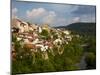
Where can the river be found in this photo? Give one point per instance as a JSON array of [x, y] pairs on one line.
[[82, 64]]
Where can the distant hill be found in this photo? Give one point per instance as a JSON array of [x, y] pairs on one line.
[[81, 28]]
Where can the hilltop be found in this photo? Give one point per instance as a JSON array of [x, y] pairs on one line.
[[81, 28]]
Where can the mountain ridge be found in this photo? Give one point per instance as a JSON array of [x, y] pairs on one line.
[[83, 28]]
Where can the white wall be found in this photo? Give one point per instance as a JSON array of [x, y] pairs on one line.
[[5, 37]]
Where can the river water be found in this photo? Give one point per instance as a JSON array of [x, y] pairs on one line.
[[82, 64]]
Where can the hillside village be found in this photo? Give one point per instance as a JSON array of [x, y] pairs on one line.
[[39, 37]]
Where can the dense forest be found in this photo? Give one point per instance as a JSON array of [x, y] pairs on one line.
[[87, 31]]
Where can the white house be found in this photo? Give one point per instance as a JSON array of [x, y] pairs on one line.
[[66, 32]]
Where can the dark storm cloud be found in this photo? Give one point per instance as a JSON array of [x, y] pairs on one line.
[[83, 10]]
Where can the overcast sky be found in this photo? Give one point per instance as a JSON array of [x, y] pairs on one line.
[[53, 14]]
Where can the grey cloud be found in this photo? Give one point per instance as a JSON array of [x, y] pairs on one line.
[[83, 10]]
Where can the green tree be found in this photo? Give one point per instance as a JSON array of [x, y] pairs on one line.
[[91, 60]]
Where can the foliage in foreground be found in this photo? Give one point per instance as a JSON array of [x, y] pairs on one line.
[[65, 62]]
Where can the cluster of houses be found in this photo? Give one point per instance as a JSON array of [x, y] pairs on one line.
[[30, 37]]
